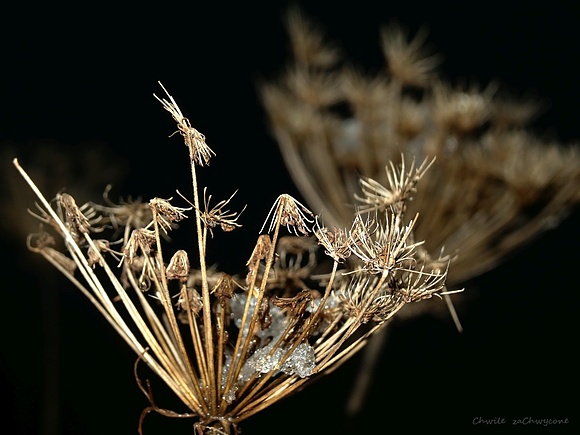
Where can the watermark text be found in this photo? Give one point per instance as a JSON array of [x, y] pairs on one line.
[[523, 421]]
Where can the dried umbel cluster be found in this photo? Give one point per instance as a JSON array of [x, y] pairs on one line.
[[494, 185], [229, 346]]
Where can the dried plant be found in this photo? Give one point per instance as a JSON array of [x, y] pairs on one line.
[[229, 346], [491, 187], [494, 184]]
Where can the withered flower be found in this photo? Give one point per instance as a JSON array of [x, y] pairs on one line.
[[229, 348]]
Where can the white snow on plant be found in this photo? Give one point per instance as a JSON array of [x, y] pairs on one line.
[[300, 362], [266, 359]]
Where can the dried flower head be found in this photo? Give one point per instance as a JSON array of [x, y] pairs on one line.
[[98, 249], [406, 59], [73, 216], [140, 239], [308, 41], [189, 301], [383, 246], [126, 214], [290, 213], [217, 216], [462, 110], [199, 151], [335, 242], [228, 348], [165, 214], [401, 184]]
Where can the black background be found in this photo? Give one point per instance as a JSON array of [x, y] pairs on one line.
[[86, 72]]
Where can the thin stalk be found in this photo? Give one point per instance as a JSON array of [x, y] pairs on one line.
[[207, 321], [220, 358]]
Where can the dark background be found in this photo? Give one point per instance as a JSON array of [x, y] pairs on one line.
[[81, 77]]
